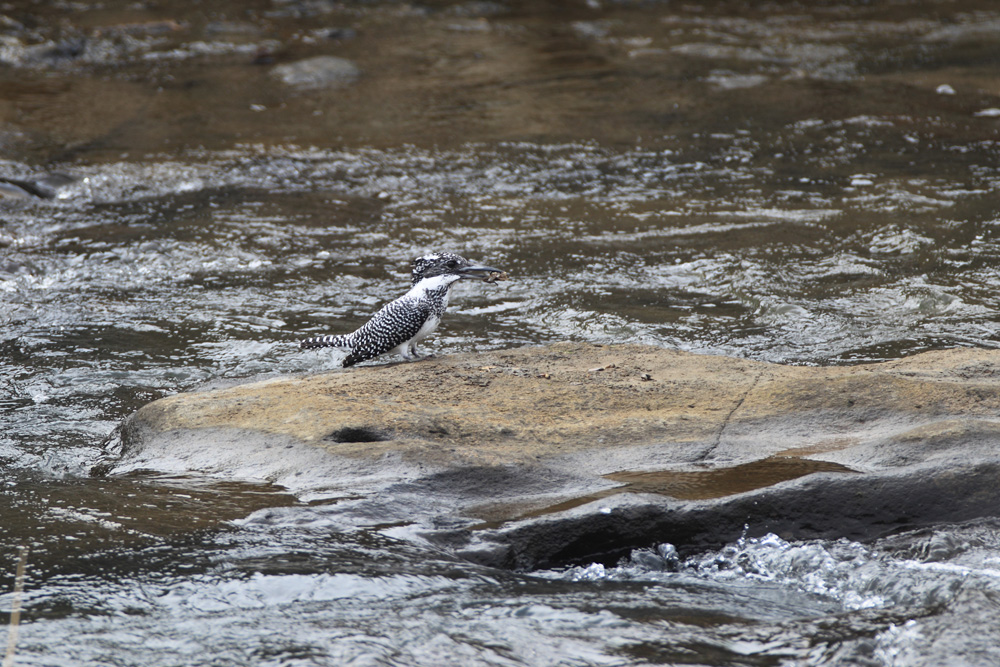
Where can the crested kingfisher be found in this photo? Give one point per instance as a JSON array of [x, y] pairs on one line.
[[399, 325]]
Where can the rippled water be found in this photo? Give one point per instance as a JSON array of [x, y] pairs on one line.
[[147, 279], [785, 184], [276, 590]]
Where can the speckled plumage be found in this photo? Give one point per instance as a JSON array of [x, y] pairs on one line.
[[401, 324]]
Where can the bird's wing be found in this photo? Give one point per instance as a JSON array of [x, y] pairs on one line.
[[396, 323]]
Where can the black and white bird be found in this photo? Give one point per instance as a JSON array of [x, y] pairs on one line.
[[399, 325]]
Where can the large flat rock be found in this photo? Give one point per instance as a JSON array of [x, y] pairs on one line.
[[570, 451]]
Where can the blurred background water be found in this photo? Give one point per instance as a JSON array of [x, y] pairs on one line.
[[791, 182]]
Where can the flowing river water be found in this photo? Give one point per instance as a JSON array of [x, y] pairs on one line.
[[789, 182]]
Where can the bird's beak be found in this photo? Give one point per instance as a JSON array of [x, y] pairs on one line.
[[473, 271]]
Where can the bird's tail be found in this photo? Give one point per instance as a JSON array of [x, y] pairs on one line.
[[324, 341]]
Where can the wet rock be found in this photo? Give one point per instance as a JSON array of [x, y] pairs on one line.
[[47, 186], [477, 9], [146, 28], [318, 72], [8, 23], [231, 28], [55, 53], [10, 190], [302, 8], [336, 34], [535, 457]]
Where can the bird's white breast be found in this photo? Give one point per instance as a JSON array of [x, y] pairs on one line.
[[426, 329]]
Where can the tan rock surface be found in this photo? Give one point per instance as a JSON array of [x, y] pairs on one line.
[[569, 400]]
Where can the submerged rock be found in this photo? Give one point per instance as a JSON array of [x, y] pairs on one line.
[[318, 72], [570, 452]]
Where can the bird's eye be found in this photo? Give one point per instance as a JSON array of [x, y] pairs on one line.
[[453, 264]]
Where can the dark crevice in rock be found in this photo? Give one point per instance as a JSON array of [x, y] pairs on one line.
[[729, 417], [358, 434]]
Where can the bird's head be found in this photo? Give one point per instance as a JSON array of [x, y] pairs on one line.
[[447, 264]]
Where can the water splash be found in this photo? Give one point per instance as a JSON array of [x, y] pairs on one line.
[[855, 576]]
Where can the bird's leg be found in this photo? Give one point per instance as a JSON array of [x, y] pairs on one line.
[[409, 353], [415, 353]]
